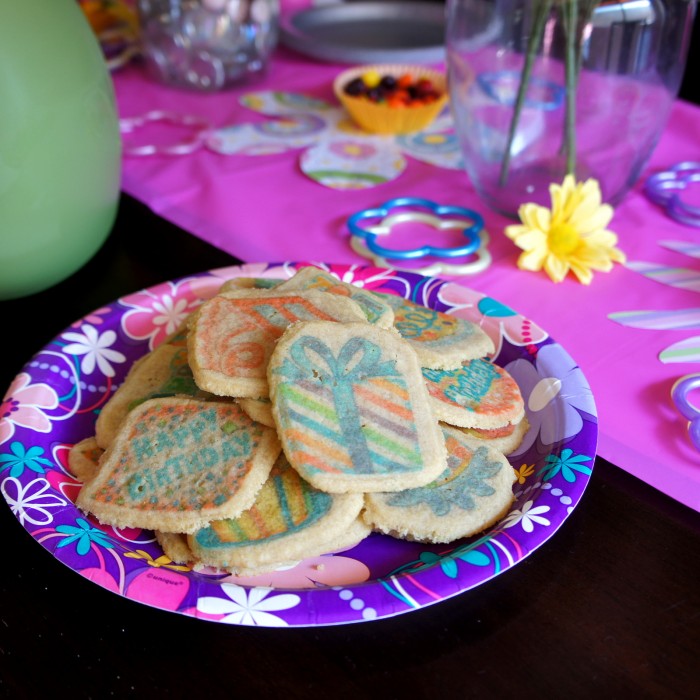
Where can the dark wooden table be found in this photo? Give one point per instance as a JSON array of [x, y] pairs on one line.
[[608, 607]]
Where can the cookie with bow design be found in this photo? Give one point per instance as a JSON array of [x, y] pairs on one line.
[[352, 410]]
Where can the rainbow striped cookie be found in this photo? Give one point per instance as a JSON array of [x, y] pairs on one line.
[[442, 341], [289, 521], [232, 335], [352, 410], [479, 394], [176, 464], [474, 491]]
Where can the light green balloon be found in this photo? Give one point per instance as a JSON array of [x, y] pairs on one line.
[[60, 147]]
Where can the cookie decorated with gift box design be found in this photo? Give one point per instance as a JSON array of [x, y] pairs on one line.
[[473, 492], [479, 394], [352, 410], [176, 464], [233, 334], [442, 341], [289, 521]]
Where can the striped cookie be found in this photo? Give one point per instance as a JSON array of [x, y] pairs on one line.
[[442, 341], [352, 410], [479, 394], [232, 335], [474, 491], [289, 521], [177, 464], [376, 309]]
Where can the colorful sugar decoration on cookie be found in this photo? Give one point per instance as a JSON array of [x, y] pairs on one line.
[[442, 341], [232, 335], [474, 491], [352, 410], [177, 464], [479, 394], [289, 521], [165, 371], [375, 308]]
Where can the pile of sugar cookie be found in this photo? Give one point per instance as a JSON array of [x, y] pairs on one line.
[[289, 419]]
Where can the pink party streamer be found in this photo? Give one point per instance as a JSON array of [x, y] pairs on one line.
[[681, 277], [683, 319], [687, 350], [686, 247]]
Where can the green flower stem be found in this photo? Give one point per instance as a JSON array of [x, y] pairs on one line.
[[569, 12], [541, 14]]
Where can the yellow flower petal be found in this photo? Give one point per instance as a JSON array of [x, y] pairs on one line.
[[583, 274], [555, 267], [533, 260], [589, 218], [534, 216], [532, 238]]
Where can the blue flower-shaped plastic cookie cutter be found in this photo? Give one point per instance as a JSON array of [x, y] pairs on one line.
[[679, 394], [365, 234], [665, 189]]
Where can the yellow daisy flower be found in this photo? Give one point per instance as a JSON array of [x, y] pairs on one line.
[[570, 236]]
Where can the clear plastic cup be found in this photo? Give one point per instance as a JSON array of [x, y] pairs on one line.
[[207, 44]]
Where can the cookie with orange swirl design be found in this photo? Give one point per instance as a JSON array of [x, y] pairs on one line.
[[232, 335], [442, 341]]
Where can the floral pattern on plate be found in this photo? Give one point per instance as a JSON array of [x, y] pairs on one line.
[[54, 401]]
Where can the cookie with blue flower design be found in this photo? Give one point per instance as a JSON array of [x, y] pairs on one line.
[[471, 494]]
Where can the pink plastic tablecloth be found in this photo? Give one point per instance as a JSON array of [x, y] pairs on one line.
[[264, 209]]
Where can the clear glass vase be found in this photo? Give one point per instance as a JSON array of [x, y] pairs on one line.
[[542, 88]]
